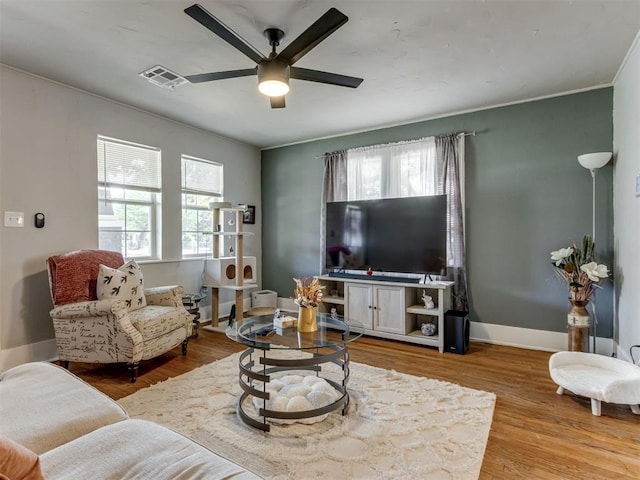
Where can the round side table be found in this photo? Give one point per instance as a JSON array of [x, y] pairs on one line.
[[191, 303]]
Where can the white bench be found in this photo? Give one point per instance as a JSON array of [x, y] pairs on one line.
[[600, 378]]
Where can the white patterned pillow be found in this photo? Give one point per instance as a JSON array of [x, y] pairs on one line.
[[124, 283]]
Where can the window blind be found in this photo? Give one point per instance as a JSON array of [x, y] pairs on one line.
[[201, 176], [130, 165]]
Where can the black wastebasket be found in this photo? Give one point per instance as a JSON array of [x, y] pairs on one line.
[[456, 331]]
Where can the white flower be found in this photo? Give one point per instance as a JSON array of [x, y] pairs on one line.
[[594, 271], [561, 254]]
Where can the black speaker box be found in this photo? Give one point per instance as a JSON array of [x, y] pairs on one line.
[[456, 331]]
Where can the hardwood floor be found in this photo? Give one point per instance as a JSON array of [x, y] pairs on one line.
[[535, 433]]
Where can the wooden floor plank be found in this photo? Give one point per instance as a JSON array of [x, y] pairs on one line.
[[535, 434]]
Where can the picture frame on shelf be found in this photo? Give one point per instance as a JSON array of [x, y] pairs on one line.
[[249, 215]]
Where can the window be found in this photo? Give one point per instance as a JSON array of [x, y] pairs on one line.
[[202, 183], [129, 198], [406, 169]]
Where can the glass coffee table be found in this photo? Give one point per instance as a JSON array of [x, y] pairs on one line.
[[266, 347]]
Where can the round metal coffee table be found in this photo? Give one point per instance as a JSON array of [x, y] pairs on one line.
[[329, 344]]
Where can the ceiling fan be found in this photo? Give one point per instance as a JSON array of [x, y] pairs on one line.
[[275, 70]]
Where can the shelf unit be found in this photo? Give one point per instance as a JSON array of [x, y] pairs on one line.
[[390, 309], [239, 285], [333, 300], [333, 297]]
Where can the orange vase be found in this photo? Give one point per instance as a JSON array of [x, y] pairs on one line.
[[307, 321]]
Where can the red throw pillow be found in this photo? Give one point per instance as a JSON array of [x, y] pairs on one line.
[[73, 275], [18, 462]]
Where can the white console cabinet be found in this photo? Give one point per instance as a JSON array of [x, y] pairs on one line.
[[391, 310], [377, 307]]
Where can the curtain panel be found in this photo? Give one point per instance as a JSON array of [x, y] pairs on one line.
[[334, 189], [448, 155]]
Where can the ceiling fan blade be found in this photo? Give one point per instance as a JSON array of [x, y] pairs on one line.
[[199, 14], [324, 77], [208, 77], [312, 36], [277, 102]]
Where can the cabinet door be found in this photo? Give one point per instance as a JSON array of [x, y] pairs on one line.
[[358, 304], [389, 309]]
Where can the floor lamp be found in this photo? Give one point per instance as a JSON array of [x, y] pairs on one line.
[[594, 161]]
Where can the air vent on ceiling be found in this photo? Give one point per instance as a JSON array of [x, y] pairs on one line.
[[163, 77]]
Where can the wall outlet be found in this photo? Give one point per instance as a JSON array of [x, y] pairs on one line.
[[14, 219]]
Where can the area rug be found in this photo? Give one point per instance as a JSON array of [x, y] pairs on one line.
[[397, 426]]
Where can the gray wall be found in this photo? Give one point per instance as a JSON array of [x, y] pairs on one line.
[[48, 164], [526, 195]]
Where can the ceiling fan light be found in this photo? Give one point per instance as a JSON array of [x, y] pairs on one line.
[[273, 78], [273, 88]]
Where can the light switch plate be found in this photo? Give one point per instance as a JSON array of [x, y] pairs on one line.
[[14, 219], [638, 185]]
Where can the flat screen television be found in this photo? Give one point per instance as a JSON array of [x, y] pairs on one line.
[[407, 235]]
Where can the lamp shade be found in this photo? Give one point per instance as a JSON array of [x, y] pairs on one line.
[[594, 160]]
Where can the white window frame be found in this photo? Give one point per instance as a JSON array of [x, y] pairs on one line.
[[208, 192], [150, 184]]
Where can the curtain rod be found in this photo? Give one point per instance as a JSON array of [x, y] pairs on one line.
[[403, 142]]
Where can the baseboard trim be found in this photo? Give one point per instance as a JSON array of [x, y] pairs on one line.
[[45, 351], [624, 354], [223, 310], [287, 305], [530, 338], [518, 337]]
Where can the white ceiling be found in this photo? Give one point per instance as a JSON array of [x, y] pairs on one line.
[[419, 59]]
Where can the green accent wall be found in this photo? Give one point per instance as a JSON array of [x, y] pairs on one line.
[[526, 195]]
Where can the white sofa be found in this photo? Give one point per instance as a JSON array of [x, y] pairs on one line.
[[80, 433]]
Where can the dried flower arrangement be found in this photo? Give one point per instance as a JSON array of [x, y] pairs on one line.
[[579, 269], [308, 292]]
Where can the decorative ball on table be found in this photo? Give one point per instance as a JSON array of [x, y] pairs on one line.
[[307, 295], [428, 329]]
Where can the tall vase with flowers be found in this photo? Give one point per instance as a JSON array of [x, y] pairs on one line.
[[308, 295], [582, 274]]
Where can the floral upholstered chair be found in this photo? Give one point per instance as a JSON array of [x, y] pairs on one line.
[[103, 313]]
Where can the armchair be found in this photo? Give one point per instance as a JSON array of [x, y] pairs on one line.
[[108, 330]]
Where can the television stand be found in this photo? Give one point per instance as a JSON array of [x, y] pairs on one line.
[[388, 308]]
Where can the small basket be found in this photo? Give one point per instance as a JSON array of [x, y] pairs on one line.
[[264, 298]]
